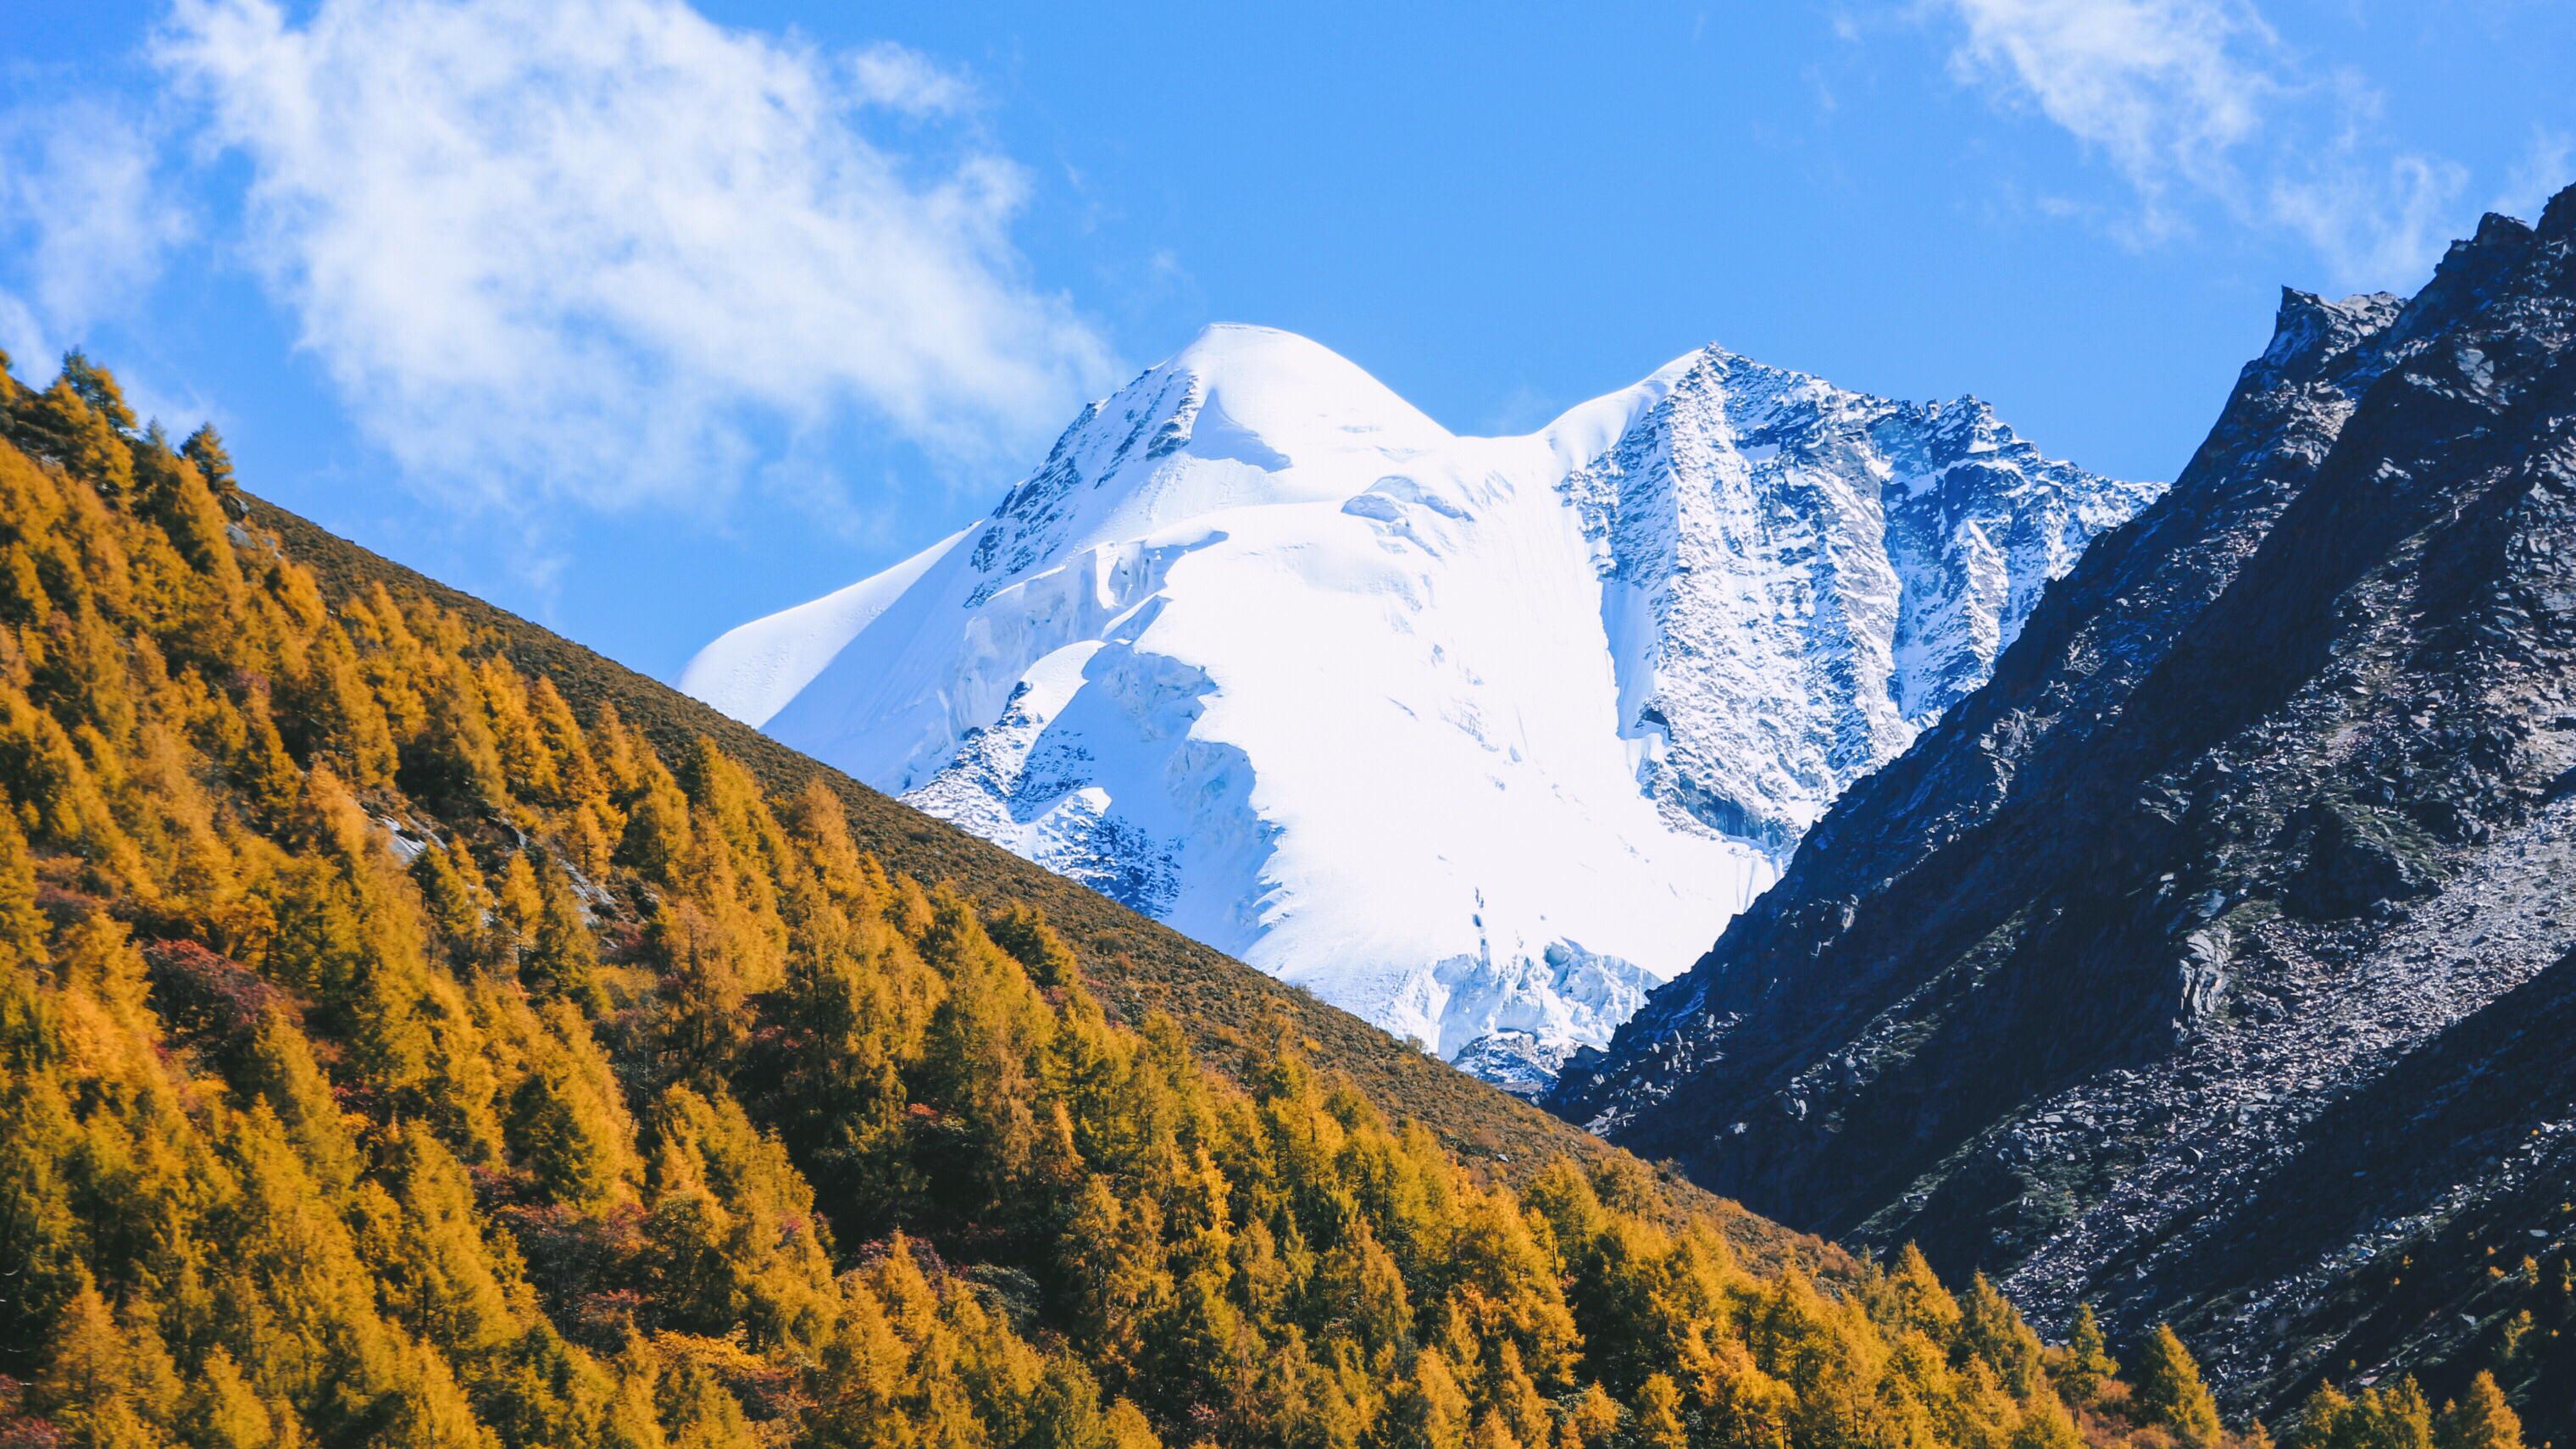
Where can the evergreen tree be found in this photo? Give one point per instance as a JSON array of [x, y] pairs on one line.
[[2322, 1418], [2480, 1420], [1431, 1411], [223, 1410], [63, 423], [22, 929], [2045, 1424], [1658, 1423], [2170, 1392], [205, 449], [2086, 1363], [560, 958], [94, 385], [1992, 1330], [1911, 1297], [2396, 1418]]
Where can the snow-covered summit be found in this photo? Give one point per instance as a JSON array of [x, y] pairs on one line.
[[1296, 395], [1467, 734]]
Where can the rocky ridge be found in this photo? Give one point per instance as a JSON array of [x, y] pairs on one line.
[[1817, 575], [2212, 961]]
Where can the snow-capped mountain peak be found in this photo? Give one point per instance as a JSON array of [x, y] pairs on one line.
[[1294, 396], [1470, 735], [1242, 416]]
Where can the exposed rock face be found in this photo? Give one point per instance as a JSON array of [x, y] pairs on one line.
[[2212, 961], [1519, 1062], [1810, 576]]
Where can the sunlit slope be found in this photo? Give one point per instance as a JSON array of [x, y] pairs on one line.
[[1139, 964]]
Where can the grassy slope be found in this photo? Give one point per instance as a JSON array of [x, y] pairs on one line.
[[1135, 964]]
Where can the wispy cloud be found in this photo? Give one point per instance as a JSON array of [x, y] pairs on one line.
[[2166, 90], [593, 249], [2548, 162], [2197, 103], [2379, 226], [903, 80], [87, 219]]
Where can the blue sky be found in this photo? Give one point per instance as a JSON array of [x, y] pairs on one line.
[[644, 319]]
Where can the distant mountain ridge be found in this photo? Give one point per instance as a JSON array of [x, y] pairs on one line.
[[2213, 961], [1473, 736]]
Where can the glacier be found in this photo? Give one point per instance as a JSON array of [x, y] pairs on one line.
[[1479, 738]]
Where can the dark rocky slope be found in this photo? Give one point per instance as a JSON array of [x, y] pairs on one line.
[[2212, 963]]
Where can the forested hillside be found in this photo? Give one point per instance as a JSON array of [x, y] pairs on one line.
[[1227, 1010], [394, 1051]]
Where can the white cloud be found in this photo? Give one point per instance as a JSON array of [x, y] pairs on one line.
[[2375, 227], [593, 248], [2197, 102], [85, 221], [2165, 89], [905, 80]]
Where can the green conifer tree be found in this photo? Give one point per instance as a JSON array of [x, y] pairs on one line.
[[1991, 1329], [95, 386], [205, 449], [2170, 1392], [2085, 1364]]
